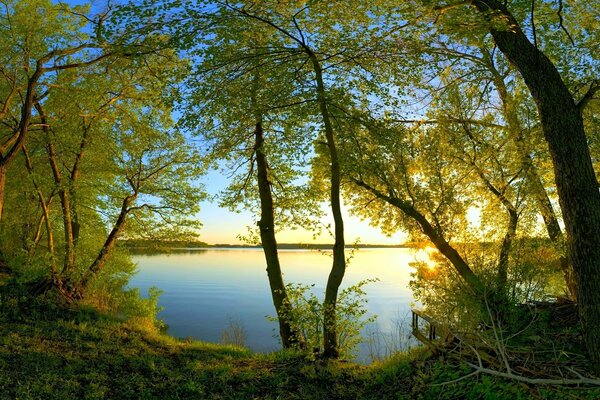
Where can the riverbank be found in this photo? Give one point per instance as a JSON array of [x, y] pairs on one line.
[[53, 353]]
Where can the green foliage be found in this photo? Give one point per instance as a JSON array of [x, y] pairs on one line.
[[119, 153], [534, 275], [304, 311]]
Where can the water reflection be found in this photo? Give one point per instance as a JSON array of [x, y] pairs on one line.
[[205, 289]]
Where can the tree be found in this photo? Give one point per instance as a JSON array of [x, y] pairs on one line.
[[109, 142], [339, 261], [563, 128], [53, 41]]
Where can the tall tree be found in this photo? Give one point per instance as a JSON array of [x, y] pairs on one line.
[[256, 126], [563, 128], [110, 142], [338, 269]]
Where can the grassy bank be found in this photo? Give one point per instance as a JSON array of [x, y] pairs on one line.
[[47, 352]]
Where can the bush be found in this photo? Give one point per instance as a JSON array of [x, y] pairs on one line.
[[304, 312]]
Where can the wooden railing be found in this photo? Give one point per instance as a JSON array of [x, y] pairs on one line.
[[431, 332]]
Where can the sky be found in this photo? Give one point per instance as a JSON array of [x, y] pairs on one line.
[[223, 226]]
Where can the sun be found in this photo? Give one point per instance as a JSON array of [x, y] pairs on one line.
[[426, 256]]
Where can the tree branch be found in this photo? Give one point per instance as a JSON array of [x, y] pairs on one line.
[[589, 95]]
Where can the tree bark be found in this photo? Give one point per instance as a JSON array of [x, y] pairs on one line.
[[69, 261], [107, 248], [338, 269], [511, 233], [75, 172], [3, 172], [505, 248], [266, 226], [17, 140], [533, 179], [576, 182], [45, 217]]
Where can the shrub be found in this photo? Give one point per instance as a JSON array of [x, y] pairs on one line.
[[304, 312]]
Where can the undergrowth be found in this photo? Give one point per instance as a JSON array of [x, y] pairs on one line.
[[48, 351]]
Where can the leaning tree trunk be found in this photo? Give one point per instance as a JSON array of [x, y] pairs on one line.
[[338, 269], [107, 248], [266, 226], [576, 182], [472, 281]]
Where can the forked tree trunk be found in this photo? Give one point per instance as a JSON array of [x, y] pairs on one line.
[[576, 182]]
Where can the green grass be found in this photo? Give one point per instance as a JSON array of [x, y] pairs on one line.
[[98, 357], [51, 353]]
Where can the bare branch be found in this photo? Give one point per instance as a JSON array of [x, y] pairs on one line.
[[560, 21], [536, 381]]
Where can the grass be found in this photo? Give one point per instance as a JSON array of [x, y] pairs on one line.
[[47, 352], [90, 356]]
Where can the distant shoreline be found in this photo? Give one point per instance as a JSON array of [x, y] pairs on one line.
[[313, 246], [145, 245]]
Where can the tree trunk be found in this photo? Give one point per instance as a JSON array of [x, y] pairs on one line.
[[107, 248], [576, 182], [3, 173], [12, 146], [460, 265], [533, 178], [75, 172], [511, 232], [69, 261], [505, 248], [338, 269], [45, 217], [269, 243]]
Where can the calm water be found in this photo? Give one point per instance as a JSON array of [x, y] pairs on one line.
[[205, 289]]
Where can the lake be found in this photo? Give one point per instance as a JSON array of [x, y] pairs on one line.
[[204, 290]]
